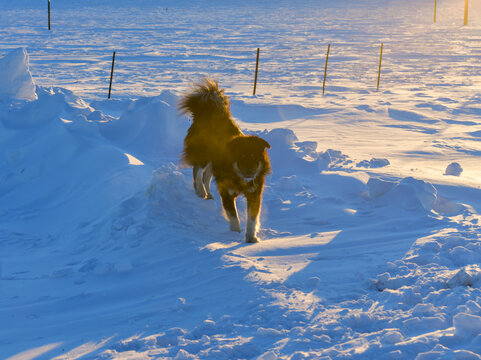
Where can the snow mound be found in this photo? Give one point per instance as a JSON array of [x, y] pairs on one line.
[[378, 187], [454, 169], [48, 107], [290, 156], [15, 79], [433, 282], [467, 325], [149, 128], [467, 276], [54, 155], [408, 194], [413, 194], [373, 163]]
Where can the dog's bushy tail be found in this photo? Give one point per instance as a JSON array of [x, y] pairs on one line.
[[205, 100]]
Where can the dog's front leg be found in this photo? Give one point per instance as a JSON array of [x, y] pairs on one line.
[[198, 181], [253, 210], [228, 203], [206, 179]]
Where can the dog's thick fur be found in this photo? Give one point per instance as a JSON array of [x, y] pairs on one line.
[[242, 171], [215, 146]]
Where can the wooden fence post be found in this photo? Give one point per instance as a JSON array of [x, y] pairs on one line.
[[257, 68], [111, 75], [435, 11], [325, 69], [379, 72], [465, 12]]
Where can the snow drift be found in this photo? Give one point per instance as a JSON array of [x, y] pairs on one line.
[[17, 82]]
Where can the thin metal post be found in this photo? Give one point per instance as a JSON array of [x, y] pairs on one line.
[[325, 68], [111, 74], [379, 73], [257, 68], [49, 14]]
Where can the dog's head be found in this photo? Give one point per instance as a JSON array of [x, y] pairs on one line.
[[249, 156]]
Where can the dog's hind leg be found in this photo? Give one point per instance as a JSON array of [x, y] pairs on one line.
[[198, 181], [206, 179], [228, 203], [253, 210]]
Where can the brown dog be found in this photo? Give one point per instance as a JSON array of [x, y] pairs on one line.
[[215, 146], [242, 171]]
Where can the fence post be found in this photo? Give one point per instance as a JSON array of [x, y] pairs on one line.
[[379, 72], [257, 68], [325, 68], [465, 12], [435, 11], [49, 14], [111, 75]]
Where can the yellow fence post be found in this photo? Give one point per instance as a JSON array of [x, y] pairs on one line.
[[465, 12], [379, 72], [325, 68]]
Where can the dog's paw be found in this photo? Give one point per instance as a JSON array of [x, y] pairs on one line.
[[252, 239], [200, 192], [235, 226]]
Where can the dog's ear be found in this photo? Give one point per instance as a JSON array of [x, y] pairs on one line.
[[264, 143]]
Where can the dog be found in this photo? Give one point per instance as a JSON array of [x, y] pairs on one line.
[[242, 171], [216, 147]]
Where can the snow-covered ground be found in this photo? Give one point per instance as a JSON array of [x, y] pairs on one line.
[[370, 224]]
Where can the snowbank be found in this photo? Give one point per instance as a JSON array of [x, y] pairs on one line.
[[149, 128], [15, 79]]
